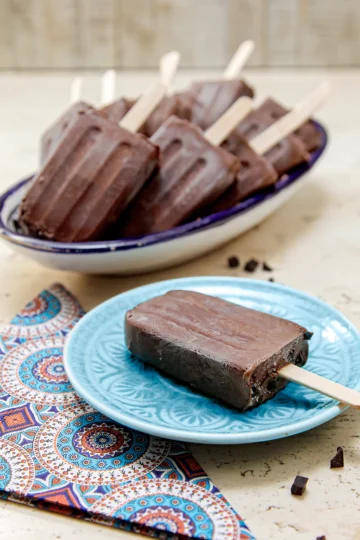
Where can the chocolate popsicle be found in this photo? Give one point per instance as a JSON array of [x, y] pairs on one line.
[[256, 172], [85, 184], [179, 105], [212, 98], [308, 133], [193, 174], [219, 348], [116, 110], [286, 154], [95, 172]]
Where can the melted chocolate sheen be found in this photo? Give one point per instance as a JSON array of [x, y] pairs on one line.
[[213, 98], [221, 349], [94, 173], [193, 174]]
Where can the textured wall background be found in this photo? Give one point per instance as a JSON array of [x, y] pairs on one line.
[[134, 33]]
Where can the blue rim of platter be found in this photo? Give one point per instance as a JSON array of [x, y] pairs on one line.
[[212, 220], [326, 412]]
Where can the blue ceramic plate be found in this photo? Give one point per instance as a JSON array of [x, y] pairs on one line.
[[105, 374]]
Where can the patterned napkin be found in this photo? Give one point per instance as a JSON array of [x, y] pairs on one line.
[[58, 453]]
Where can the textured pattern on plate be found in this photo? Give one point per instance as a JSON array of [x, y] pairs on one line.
[[119, 385], [58, 453]]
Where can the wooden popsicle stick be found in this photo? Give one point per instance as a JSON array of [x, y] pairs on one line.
[[290, 121], [167, 66], [239, 60], [320, 384], [75, 90], [151, 98], [108, 84], [218, 132]]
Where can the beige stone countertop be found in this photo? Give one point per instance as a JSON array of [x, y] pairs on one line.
[[313, 243]]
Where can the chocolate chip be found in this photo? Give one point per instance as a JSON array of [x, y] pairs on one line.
[[299, 485], [308, 335], [321, 537], [266, 267], [233, 262], [251, 265], [271, 279], [338, 460]]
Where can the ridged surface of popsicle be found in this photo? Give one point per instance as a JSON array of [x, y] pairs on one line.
[[256, 173], [288, 153], [88, 181], [193, 173]]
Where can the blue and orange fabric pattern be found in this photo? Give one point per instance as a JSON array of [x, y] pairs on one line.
[[59, 454]]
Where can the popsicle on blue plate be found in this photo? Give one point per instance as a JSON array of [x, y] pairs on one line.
[[227, 351], [219, 348]]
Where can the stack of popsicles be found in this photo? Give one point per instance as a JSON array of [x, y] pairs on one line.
[[135, 167]]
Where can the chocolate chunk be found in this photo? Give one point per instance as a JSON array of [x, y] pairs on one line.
[[308, 335], [233, 262], [299, 485], [251, 265], [338, 460], [271, 279], [321, 537], [266, 267]]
